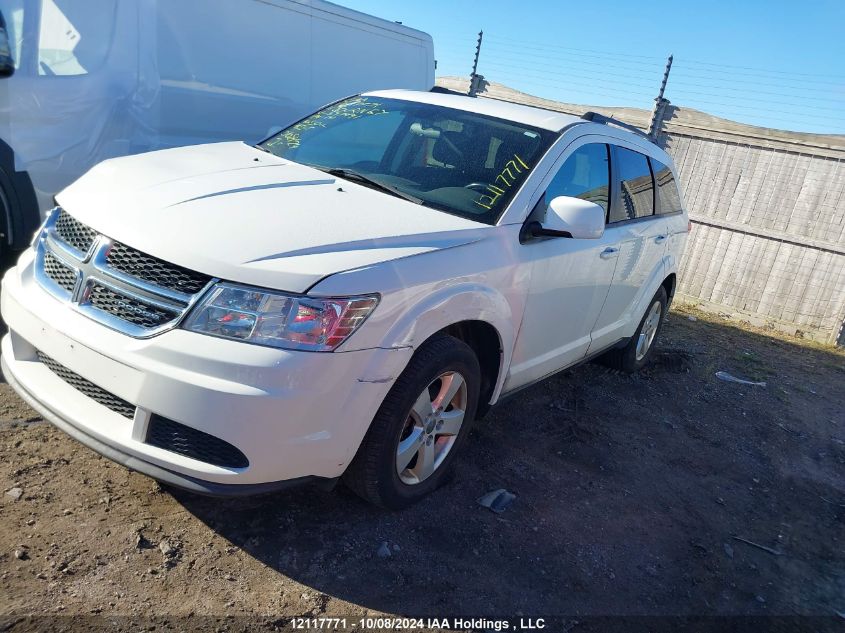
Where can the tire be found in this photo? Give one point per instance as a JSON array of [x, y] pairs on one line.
[[631, 358], [441, 363], [8, 252], [6, 259]]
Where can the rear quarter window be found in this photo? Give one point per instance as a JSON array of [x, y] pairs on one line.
[[668, 194]]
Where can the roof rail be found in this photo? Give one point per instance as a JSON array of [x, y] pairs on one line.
[[595, 117]]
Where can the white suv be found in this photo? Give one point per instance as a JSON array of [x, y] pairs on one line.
[[344, 298]]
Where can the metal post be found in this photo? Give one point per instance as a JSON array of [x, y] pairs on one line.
[[659, 105], [476, 81]]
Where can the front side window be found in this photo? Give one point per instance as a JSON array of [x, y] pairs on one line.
[[637, 186], [585, 174], [668, 196], [459, 162]]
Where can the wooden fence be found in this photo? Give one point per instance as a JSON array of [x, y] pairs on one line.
[[768, 239]]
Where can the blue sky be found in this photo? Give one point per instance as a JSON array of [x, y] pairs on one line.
[[778, 64]]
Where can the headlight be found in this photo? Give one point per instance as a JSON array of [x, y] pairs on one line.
[[279, 320]]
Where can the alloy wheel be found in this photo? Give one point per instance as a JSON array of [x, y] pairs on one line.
[[649, 330], [432, 428]]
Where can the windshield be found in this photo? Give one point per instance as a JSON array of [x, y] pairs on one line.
[[459, 162]]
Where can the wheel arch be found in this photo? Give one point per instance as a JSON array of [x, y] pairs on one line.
[[479, 316], [669, 284], [19, 215], [486, 342]]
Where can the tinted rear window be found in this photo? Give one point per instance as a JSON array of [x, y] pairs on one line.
[[668, 195], [637, 186]]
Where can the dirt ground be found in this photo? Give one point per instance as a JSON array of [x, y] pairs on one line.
[[665, 493]]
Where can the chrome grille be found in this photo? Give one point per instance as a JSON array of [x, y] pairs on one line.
[[111, 282], [98, 394], [151, 269], [55, 269], [72, 232], [128, 308]]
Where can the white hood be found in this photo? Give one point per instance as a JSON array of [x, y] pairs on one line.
[[235, 212]]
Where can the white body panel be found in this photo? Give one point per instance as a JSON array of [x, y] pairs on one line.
[[243, 215], [139, 75], [568, 284]]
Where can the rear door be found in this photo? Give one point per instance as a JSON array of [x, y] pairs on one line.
[[639, 237], [670, 205]]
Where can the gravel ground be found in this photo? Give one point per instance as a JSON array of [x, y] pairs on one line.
[[665, 493]]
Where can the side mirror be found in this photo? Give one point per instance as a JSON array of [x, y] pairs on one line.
[[7, 64], [569, 217]]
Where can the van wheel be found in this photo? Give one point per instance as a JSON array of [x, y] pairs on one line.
[[420, 426], [636, 354], [6, 258]]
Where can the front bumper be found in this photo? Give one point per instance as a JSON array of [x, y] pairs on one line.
[[294, 415], [133, 463]]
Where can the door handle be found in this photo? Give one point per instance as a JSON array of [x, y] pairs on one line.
[[609, 252], [660, 239]]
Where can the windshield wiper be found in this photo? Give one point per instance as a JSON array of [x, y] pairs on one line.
[[350, 174]]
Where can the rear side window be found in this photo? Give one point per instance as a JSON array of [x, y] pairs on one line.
[[75, 36], [585, 175], [668, 196], [637, 186]]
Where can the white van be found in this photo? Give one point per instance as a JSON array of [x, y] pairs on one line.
[[345, 297], [95, 79]]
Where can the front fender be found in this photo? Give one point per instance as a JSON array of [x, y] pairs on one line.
[[421, 295], [447, 306], [464, 302], [409, 318]]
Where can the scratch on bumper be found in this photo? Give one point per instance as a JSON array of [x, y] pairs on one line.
[[386, 366]]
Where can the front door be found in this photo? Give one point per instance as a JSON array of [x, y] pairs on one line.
[[569, 278]]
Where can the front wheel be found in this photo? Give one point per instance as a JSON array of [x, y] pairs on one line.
[[636, 354], [419, 427]]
